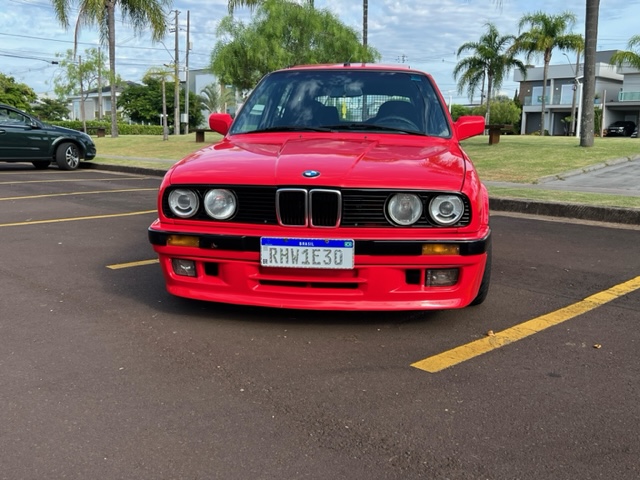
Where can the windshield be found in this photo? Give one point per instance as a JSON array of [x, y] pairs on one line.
[[358, 100]]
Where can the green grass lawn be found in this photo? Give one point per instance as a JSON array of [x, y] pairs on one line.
[[526, 158], [516, 158]]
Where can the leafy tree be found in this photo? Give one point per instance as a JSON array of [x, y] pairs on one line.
[[51, 110], [458, 111], [142, 15], [143, 103], [80, 75], [233, 4], [492, 58], [546, 33], [18, 95], [503, 111], [282, 33]]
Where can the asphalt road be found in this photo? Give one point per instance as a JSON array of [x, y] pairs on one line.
[[104, 375]]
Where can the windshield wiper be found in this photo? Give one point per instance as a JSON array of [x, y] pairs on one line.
[[290, 128]]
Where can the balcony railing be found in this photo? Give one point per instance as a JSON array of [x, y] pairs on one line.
[[556, 100], [629, 96]]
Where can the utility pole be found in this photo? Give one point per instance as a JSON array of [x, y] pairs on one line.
[[186, 84], [176, 97], [575, 93], [84, 121], [100, 109]]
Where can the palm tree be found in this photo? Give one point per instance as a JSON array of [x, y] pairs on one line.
[[629, 57], [139, 14], [546, 32], [215, 98], [492, 58]]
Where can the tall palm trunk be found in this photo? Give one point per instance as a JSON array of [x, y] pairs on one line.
[[589, 92], [365, 22], [110, 7], [487, 116], [545, 77]]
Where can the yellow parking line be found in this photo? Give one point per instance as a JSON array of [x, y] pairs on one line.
[[75, 180], [466, 352], [31, 197], [73, 219], [141, 263]]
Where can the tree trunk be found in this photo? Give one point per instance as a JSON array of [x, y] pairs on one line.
[[365, 22], [111, 27], [545, 76], [589, 81], [487, 116]]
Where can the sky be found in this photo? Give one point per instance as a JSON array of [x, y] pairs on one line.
[[424, 34]]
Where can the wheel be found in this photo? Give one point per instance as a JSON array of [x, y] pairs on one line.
[[68, 156], [41, 165], [486, 280], [396, 121]]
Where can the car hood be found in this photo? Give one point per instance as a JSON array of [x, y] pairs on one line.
[[381, 161], [67, 132]]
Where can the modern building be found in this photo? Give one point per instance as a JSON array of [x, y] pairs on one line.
[[617, 95], [93, 99]]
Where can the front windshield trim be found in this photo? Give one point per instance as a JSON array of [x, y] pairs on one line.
[[328, 100]]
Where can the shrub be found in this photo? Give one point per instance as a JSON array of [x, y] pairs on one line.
[[123, 128]]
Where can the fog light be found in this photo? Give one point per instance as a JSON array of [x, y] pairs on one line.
[[184, 268], [183, 241], [442, 277]]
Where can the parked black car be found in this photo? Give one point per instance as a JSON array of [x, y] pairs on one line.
[[621, 128], [24, 138], [635, 133]]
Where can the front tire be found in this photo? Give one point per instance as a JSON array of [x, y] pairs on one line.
[[483, 291], [68, 156]]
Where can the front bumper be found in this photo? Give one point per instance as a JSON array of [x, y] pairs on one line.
[[388, 275]]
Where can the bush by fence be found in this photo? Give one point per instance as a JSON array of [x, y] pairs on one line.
[[123, 128]]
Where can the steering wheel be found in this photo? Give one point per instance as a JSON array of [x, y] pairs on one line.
[[396, 121]]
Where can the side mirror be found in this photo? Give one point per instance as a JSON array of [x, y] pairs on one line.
[[469, 126], [220, 122]]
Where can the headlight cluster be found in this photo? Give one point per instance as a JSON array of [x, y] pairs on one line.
[[220, 204], [406, 209]]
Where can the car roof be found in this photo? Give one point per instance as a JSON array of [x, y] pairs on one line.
[[356, 66]]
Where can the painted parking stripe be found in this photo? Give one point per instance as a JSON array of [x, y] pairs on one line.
[[31, 197], [111, 179], [473, 349], [74, 219], [140, 263]]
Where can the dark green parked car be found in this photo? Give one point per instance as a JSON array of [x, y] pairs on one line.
[[24, 138]]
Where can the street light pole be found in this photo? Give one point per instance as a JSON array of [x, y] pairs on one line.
[[176, 97]]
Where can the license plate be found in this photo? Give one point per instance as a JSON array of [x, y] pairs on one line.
[[306, 253]]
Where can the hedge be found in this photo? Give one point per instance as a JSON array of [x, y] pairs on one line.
[[123, 128]]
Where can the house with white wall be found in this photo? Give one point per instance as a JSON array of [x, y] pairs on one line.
[[564, 94]]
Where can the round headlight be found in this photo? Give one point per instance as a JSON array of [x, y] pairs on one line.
[[404, 208], [220, 204], [446, 209], [183, 203]]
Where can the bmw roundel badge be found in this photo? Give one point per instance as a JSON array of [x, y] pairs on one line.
[[310, 173]]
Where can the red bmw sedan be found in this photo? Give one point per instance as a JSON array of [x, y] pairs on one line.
[[336, 187]]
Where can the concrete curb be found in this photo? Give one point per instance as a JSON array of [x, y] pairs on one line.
[[592, 213]]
